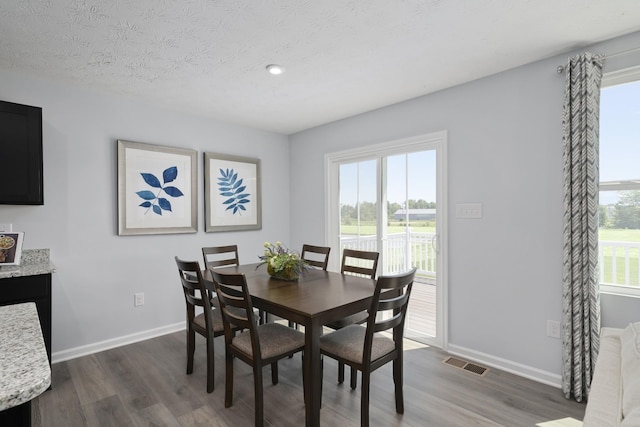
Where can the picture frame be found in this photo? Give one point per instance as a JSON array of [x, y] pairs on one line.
[[233, 195], [10, 247], [157, 189]]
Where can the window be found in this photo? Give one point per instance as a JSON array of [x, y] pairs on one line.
[[619, 210]]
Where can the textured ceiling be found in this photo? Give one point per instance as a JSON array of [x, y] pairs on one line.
[[342, 57]]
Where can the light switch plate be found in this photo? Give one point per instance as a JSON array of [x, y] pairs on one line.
[[469, 210]]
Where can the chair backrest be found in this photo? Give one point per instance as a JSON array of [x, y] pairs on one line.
[[195, 291], [391, 294], [236, 306], [360, 262], [316, 256], [220, 256]]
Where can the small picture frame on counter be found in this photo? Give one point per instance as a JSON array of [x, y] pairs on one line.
[[10, 247]]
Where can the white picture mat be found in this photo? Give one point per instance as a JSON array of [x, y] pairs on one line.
[[218, 217]]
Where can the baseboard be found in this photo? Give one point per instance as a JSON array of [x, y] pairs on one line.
[[544, 377], [72, 353]]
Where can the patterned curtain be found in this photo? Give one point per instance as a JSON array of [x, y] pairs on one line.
[[581, 297]]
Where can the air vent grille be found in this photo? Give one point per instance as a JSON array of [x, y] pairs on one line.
[[466, 366]]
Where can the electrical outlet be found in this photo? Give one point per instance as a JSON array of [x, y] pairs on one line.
[[553, 328], [138, 299], [6, 227]]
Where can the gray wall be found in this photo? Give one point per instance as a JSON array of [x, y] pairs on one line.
[[97, 271], [505, 151]]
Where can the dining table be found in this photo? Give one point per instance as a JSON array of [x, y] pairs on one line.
[[317, 298]]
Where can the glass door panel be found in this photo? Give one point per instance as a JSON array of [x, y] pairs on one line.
[[359, 206], [409, 234]]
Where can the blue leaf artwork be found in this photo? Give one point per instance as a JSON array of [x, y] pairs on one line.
[[233, 190], [153, 200]]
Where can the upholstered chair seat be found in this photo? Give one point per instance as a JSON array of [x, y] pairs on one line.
[[275, 339], [347, 343], [218, 326]]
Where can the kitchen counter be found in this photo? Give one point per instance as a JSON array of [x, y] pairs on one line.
[[24, 366], [32, 263]]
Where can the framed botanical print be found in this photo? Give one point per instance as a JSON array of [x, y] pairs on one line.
[[157, 189], [232, 193]]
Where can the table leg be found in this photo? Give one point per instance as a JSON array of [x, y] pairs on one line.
[[313, 373]]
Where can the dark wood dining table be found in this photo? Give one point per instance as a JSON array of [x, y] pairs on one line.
[[317, 298]]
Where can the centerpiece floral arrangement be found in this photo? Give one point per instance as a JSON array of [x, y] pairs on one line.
[[281, 262]]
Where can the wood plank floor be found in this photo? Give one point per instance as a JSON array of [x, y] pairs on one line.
[[144, 384]]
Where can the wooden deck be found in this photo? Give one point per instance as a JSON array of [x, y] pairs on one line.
[[421, 315]]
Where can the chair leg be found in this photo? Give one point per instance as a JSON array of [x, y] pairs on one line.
[[292, 325], [321, 378], [364, 399], [263, 317], [354, 378], [210, 364], [274, 373], [257, 383], [228, 389], [191, 348], [397, 380], [340, 372], [304, 381]]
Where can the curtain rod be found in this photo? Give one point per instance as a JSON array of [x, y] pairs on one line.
[[560, 68]]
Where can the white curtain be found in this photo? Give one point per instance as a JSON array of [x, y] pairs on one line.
[[581, 297]]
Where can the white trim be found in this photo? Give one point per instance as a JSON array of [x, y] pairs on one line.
[[389, 148], [620, 290], [432, 141], [442, 242], [614, 78], [619, 77], [535, 374], [84, 350]]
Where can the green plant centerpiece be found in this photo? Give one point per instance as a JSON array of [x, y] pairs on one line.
[[282, 263]]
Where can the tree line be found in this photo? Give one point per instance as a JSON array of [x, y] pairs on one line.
[[624, 214], [368, 210]]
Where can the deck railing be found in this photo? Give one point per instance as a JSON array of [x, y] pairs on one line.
[[619, 263], [401, 251]]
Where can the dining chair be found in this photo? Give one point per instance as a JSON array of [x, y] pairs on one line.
[[257, 345], [365, 349], [361, 263], [208, 323], [316, 256], [223, 256], [220, 256]]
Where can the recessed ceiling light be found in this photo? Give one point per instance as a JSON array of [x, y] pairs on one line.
[[275, 69]]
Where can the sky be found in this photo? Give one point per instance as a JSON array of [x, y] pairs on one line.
[[358, 180], [619, 135]]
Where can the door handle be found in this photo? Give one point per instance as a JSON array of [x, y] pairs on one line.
[[434, 243]]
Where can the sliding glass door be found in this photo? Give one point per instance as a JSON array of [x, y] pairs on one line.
[[391, 202]]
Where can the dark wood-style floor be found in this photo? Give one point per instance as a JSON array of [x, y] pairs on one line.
[[145, 384]]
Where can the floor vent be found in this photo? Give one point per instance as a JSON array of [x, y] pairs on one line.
[[467, 366]]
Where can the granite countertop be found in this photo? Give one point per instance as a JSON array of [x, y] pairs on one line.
[[24, 365], [32, 263]]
